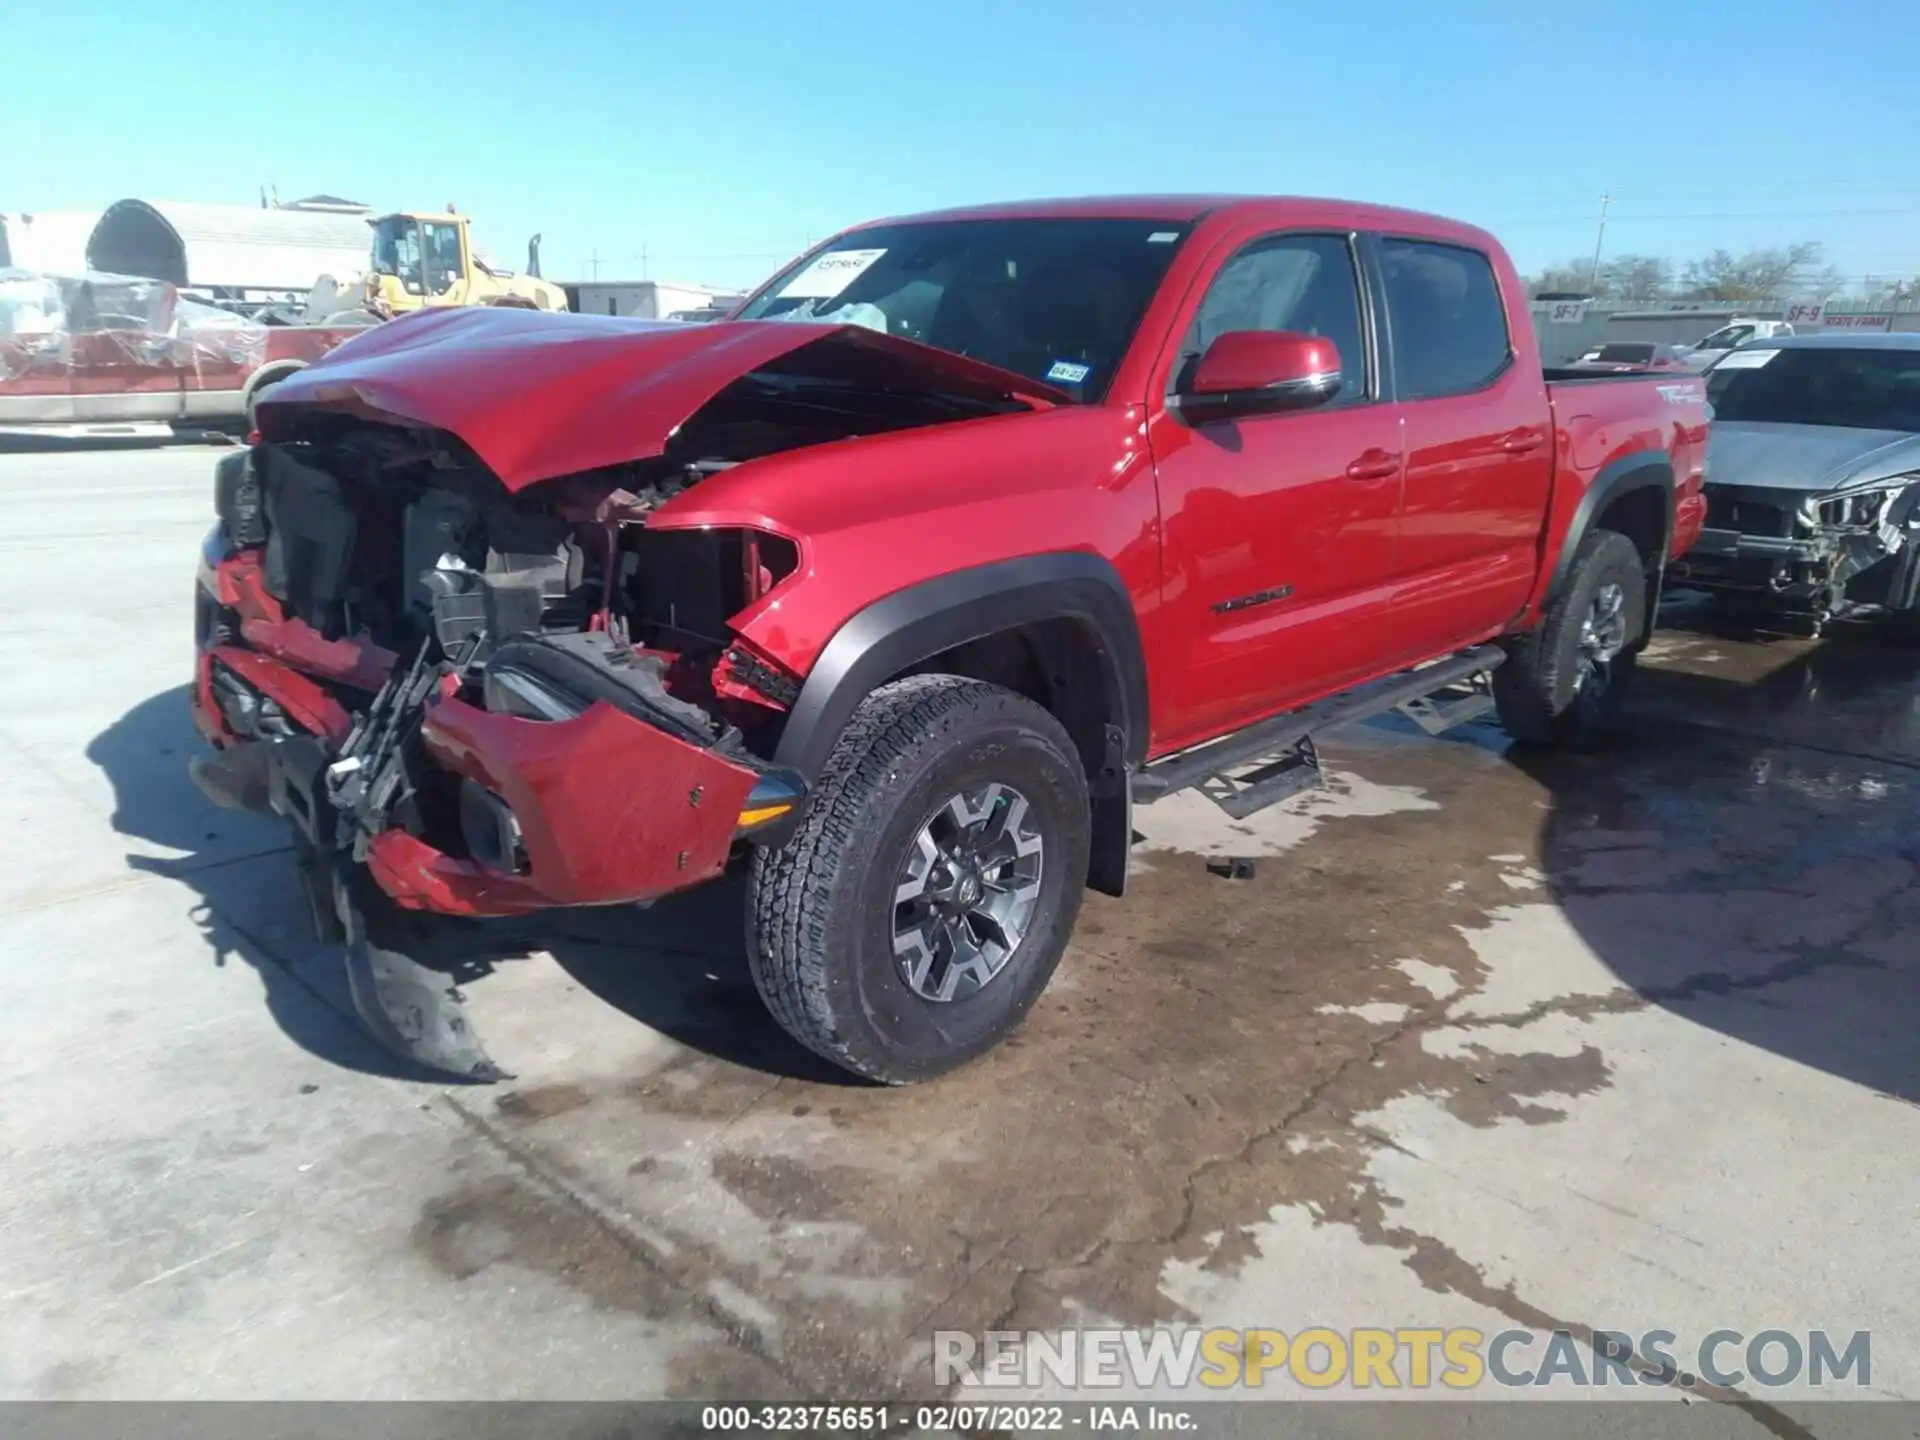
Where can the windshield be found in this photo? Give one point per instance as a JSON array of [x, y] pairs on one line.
[[1860, 389], [1625, 354], [1726, 337], [1056, 300], [396, 251]]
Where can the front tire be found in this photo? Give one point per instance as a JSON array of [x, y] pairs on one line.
[[1563, 682], [922, 907]]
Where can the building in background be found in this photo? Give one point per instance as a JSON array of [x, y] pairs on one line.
[[1568, 328], [232, 252], [647, 299]]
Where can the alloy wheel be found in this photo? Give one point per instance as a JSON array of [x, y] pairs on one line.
[[967, 892]]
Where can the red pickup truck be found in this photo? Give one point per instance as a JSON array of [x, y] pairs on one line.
[[87, 357], [959, 538]]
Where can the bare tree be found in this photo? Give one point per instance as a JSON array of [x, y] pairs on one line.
[[1636, 277], [1625, 277], [1571, 278], [1775, 272]]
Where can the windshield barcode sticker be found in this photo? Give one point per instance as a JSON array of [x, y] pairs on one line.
[[1068, 373], [1745, 359], [829, 274]]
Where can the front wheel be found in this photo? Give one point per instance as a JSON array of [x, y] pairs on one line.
[[1563, 682], [921, 909]]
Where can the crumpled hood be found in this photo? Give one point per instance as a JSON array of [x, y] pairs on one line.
[[1810, 459], [536, 394]]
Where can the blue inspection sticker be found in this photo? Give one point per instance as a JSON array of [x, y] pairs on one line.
[[1068, 373]]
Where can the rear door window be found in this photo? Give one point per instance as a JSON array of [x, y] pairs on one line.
[[1449, 326]]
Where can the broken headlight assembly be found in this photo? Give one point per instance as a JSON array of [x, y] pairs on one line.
[[1884, 503], [510, 691]]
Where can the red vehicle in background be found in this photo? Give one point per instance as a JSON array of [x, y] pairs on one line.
[[1630, 356], [115, 355], [962, 536]]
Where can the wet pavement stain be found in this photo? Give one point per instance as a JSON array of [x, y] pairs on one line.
[[506, 1219], [1214, 1049], [1144, 1105], [542, 1102]]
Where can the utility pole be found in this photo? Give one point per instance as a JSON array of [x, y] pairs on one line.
[[593, 261], [643, 263], [1593, 275]]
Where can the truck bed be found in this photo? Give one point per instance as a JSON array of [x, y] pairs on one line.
[[1612, 423], [1564, 375]]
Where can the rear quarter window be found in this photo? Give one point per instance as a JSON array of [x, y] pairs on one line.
[[1449, 326]]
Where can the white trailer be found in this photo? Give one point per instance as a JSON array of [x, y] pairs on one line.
[[643, 299]]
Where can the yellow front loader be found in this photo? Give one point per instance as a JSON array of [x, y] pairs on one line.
[[424, 259]]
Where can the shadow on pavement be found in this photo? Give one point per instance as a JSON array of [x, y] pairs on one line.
[[1746, 854], [679, 968]]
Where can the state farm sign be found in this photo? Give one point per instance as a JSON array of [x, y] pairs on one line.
[[1857, 322]]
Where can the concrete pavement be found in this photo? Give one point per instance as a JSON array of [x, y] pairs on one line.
[[1621, 1042]]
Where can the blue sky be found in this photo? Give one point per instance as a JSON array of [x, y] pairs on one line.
[[709, 142]]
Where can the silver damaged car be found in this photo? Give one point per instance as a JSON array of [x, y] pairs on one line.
[[1813, 479]]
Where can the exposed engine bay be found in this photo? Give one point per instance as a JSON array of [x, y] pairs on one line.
[[400, 540]]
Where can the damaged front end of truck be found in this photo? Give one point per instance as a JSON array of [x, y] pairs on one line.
[[451, 630]]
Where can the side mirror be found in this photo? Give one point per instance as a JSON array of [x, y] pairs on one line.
[[1260, 372]]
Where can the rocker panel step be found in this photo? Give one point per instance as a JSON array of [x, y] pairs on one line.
[[1282, 733], [1292, 774]]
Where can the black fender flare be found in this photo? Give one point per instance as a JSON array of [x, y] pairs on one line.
[[900, 630], [267, 376], [1636, 470]]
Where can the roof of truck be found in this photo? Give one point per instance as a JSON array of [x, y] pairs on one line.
[[1186, 209]]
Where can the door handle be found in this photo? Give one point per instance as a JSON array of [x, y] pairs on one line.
[[1518, 442], [1374, 465]]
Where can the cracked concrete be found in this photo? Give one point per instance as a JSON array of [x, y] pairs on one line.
[[1617, 1043]]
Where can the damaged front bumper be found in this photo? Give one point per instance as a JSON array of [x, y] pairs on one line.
[[1785, 569], [563, 788], [1819, 555]]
